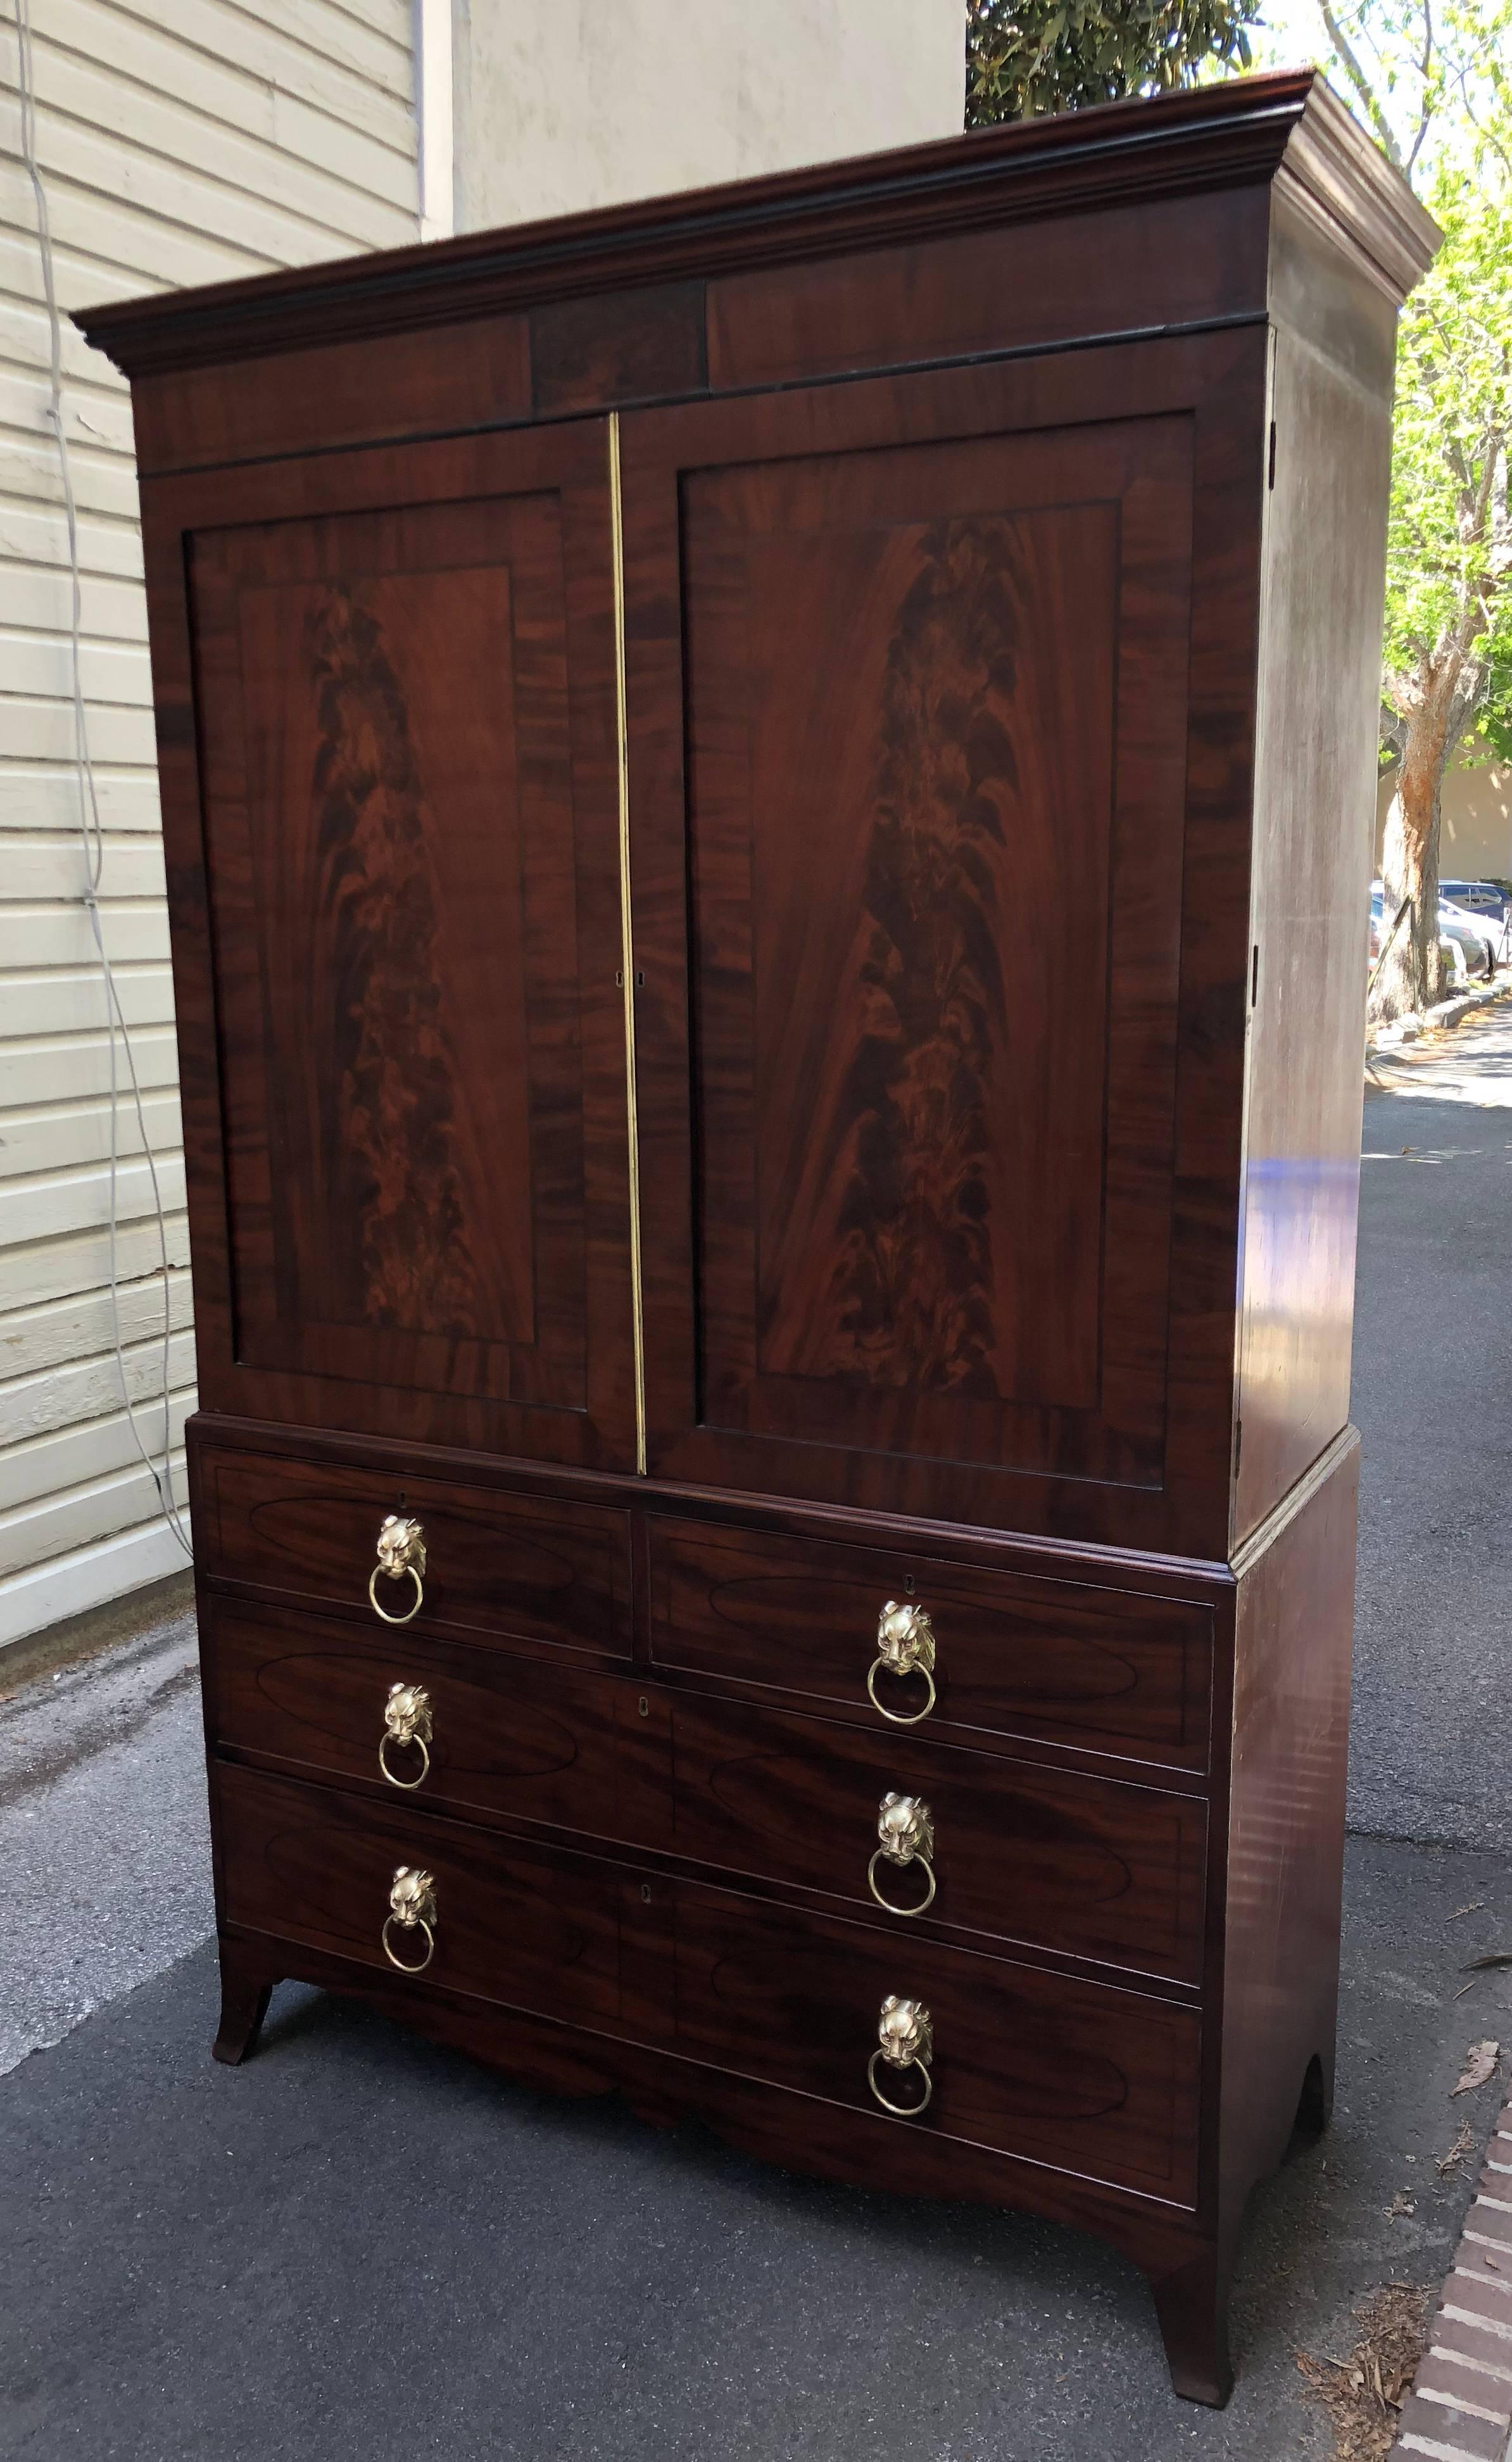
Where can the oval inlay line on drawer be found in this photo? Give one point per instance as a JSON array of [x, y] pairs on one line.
[[476, 1731], [297, 1858], [1102, 1673], [1037, 2076], [289, 1525], [763, 1791]]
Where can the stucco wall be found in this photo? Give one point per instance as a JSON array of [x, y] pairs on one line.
[[1477, 841], [592, 102]]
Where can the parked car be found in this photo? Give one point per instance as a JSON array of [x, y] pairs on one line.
[[1462, 944], [1478, 941], [1490, 902]]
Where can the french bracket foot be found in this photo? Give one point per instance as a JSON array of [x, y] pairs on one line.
[[246, 1991], [1192, 2305]]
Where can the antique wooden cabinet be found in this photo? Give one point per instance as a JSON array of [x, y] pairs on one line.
[[767, 804]]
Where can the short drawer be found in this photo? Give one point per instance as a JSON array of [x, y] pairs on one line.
[[497, 1565], [1111, 1671], [506, 1919], [1080, 2075], [486, 1731], [1088, 1866]]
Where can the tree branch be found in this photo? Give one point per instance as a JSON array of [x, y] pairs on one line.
[[1362, 86], [1428, 108]]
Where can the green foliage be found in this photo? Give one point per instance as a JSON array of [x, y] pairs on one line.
[[1025, 57], [1450, 543]]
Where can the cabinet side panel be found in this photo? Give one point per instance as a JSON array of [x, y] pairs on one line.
[[1292, 1646], [1319, 697]]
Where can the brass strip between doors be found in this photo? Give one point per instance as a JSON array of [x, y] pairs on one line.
[[627, 949]]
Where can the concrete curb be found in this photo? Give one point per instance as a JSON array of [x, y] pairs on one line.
[[1461, 2406], [1448, 1012]]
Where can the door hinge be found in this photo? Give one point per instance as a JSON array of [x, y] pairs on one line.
[[1271, 478]]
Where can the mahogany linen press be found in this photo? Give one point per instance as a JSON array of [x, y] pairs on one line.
[[768, 801]]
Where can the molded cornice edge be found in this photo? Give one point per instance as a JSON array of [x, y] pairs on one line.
[[1333, 173], [1226, 136]]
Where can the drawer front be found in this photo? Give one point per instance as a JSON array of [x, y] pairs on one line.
[[497, 1567], [510, 1920], [499, 1734], [1080, 2075], [1110, 1670], [1088, 1865]]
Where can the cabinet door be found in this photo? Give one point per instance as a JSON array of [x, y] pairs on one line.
[[386, 706], [939, 715]]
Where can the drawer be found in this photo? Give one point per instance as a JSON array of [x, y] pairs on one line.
[[537, 1741], [510, 1920], [497, 1567], [1081, 2076], [1111, 1671], [1084, 1865]]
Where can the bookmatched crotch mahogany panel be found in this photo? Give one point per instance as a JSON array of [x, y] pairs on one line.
[[746, 782]]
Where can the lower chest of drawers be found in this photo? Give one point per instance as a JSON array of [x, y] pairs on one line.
[[696, 1807]]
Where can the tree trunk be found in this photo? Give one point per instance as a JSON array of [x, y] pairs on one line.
[[1412, 976]]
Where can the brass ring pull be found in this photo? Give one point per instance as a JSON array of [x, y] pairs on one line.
[[900, 2110], [905, 1827], [900, 1717], [411, 1907], [906, 2040], [406, 1720], [401, 1550], [421, 1963], [924, 1902], [409, 1785], [905, 1646], [419, 1594]]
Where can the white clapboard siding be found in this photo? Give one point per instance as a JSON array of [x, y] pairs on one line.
[[180, 141], [72, 1068], [33, 1143], [64, 1516], [75, 1333]]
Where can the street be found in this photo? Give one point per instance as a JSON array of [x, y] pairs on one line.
[[359, 2245]]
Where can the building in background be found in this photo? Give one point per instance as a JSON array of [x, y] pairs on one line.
[[1476, 841], [187, 141]]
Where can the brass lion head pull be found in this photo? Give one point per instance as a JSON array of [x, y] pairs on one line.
[[411, 1907], [905, 1646], [906, 1828], [905, 2040], [406, 1721], [401, 1550]]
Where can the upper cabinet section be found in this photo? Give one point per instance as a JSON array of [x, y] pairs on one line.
[[1137, 217], [402, 843], [939, 707]]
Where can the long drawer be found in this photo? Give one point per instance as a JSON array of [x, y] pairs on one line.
[[497, 1565], [1088, 1866], [489, 1731], [1079, 2076], [1110, 1671]]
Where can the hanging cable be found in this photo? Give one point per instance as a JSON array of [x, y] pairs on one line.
[[91, 828]]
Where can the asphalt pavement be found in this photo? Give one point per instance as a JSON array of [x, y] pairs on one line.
[[359, 2246]]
